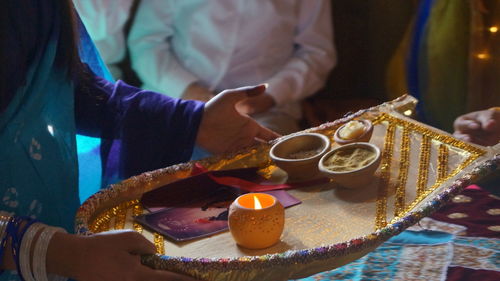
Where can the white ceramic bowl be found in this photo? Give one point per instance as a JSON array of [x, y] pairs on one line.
[[364, 137]]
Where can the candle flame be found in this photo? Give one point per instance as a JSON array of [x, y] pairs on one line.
[[256, 203], [493, 29]]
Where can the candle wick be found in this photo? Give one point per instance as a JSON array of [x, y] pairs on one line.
[[257, 204]]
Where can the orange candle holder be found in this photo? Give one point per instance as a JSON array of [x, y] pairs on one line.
[[256, 220]]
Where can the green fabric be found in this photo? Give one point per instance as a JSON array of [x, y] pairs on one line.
[[444, 64]]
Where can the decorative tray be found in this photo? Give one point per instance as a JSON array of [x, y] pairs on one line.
[[422, 168]]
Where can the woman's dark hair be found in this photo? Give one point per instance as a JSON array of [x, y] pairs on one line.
[[67, 51], [25, 27]]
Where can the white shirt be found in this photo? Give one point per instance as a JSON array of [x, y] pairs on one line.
[[105, 20], [231, 43]]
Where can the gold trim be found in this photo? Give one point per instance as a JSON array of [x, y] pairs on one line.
[[428, 136], [136, 211], [385, 173], [442, 169], [120, 217], [159, 243], [404, 165], [102, 222], [423, 166], [446, 139], [417, 200]]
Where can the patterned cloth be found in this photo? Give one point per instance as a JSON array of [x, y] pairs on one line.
[[460, 242]]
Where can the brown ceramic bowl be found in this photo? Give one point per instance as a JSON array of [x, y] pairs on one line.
[[353, 177], [299, 155], [364, 137]]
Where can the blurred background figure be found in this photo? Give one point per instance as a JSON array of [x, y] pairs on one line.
[[192, 49], [105, 22], [448, 59]]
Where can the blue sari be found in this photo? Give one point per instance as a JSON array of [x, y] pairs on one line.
[[38, 168]]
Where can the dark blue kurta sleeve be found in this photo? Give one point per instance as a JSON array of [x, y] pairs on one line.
[[140, 130]]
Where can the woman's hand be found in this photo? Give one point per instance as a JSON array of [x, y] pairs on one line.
[[481, 127], [224, 129], [255, 105], [113, 255]]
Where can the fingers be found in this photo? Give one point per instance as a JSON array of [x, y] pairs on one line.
[[463, 137], [238, 94], [266, 134], [481, 139], [135, 243], [480, 127], [256, 134], [250, 91], [465, 124], [256, 90], [490, 120]]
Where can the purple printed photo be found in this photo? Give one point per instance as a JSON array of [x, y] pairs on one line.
[[203, 217]]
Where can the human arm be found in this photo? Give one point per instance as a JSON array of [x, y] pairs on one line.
[[157, 131], [103, 17], [481, 127], [150, 50], [151, 129], [113, 255]]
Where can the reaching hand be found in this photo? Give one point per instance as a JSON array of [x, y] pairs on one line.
[[481, 127], [224, 129], [116, 256]]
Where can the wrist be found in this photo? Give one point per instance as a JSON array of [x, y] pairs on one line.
[[64, 255], [196, 91]]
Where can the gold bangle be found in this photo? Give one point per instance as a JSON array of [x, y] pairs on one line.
[[495, 108]]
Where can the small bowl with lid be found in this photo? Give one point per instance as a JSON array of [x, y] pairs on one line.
[[351, 165], [298, 155], [354, 131]]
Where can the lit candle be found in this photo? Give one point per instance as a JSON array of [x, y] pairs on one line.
[[256, 220]]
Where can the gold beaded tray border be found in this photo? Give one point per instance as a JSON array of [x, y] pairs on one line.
[[118, 213]]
